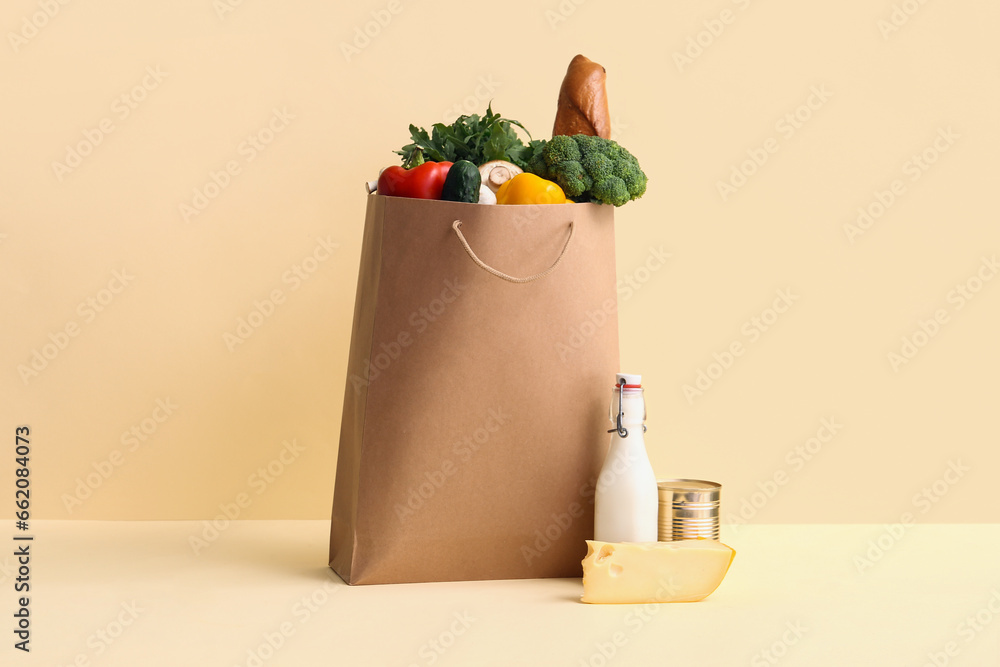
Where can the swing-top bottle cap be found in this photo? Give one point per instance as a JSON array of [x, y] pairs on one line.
[[631, 381]]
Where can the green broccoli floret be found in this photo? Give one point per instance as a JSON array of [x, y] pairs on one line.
[[612, 190], [633, 176], [589, 144], [561, 148], [590, 169], [598, 165]]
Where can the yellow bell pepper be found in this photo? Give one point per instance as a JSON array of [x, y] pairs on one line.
[[530, 189]]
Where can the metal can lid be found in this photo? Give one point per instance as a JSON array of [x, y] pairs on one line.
[[684, 491]]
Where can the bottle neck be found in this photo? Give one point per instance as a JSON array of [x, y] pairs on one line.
[[633, 407]]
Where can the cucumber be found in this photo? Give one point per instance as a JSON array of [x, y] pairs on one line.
[[462, 183]]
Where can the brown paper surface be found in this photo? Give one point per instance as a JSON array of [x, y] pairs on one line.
[[470, 448]]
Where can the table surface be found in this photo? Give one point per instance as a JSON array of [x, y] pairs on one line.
[[259, 593]]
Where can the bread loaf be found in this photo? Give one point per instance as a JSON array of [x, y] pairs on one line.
[[583, 101]]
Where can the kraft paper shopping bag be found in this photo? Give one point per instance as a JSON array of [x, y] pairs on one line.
[[482, 359]]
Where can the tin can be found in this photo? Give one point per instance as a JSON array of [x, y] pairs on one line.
[[689, 509]]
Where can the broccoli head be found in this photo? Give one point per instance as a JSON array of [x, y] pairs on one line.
[[561, 148], [590, 169]]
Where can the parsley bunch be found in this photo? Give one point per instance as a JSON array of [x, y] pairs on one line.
[[476, 139]]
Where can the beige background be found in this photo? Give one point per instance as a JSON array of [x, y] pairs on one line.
[[162, 336], [792, 597]]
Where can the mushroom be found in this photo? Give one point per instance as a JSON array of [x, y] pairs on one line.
[[497, 172], [372, 186], [486, 196]]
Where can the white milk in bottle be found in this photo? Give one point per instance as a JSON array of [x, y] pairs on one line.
[[626, 502]]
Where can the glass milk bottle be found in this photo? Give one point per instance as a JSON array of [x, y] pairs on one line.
[[626, 502]]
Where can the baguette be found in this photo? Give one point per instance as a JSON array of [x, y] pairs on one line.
[[583, 101]]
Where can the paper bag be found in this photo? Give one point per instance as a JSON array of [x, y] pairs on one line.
[[482, 362]]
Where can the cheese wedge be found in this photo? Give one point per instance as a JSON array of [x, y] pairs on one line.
[[631, 572]]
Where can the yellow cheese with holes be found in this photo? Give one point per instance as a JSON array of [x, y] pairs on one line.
[[631, 572]]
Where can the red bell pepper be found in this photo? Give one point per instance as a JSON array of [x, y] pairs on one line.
[[422, 182]]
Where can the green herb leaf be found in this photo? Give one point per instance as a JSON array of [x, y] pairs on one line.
[[478, 139]]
